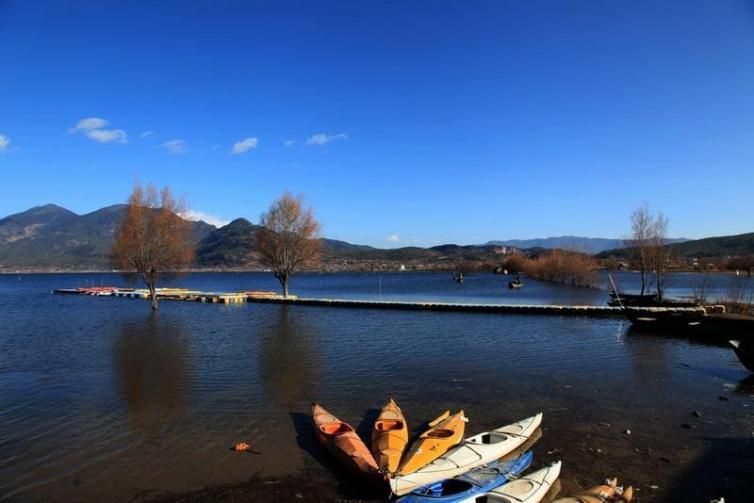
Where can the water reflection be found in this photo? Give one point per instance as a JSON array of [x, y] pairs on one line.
[[152, 363], [289, 357], [650, 361]]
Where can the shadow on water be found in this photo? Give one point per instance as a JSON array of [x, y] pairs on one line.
[[685, 334], [152, 363], [746, 385], [723, 470], [348, 485], [288, 358], [364, 428]]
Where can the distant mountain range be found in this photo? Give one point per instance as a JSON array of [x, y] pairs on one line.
[[574, 243], [719, 246], [51, 237]]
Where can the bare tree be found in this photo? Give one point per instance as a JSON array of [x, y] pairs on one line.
[[659, 252], [288, 238], [641, 224], [152, 239]]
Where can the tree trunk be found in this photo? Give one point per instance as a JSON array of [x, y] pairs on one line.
[[285, 286], [153, 296], [643, 278]]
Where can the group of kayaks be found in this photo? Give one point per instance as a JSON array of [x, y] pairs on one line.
[[440, 464]]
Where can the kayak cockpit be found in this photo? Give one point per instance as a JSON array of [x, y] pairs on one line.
[[488, 438], [448, 487], [335, 428], [441, 433], [388, 425]]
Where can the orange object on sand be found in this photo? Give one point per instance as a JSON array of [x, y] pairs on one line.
[[443, 433], [342, 441], [389, 437], [242, 446], [598, 494]]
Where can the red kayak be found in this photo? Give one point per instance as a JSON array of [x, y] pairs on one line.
[[342, 441]]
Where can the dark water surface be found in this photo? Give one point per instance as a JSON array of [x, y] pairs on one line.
[[101, 400]]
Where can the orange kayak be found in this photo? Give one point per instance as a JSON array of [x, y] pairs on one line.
[[444, 432], [342, 441], [389, 437]]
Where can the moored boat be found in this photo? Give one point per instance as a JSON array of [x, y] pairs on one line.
[[475, 451], [443, 433], [341, 440], [389, 437], [529, 488], [745, 352], [476, 481]]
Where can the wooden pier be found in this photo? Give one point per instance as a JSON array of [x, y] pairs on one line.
[[180, 294]]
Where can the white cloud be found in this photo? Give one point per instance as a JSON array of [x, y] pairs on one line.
[[4, 142], [146, 134], [93, 128], [176, 146], [88, 124], [323, 139], [244, 145], [195, 215], [393, 238], [107, 135], [290, 143]]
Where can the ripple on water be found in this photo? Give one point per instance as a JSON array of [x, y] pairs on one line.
[[100, 399]]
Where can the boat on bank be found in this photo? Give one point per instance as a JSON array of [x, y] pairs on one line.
[[341, 440], [389, 437], [529, 488], [444, 432], [473, 452], [472, 483], [745, 352]]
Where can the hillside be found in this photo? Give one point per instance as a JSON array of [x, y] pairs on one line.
[[53, 237], [573, 243], [719, 246]]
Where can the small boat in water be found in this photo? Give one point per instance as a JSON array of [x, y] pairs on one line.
[[444, 432], [473, 452], [745, 352], [475, 482], [341, 440], [529, 488], [389, 437], [516, 283]]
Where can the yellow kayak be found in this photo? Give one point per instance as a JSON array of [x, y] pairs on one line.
[[444, 432], [389, 437]]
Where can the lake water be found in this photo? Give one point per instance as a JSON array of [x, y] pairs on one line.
[[102, 400]]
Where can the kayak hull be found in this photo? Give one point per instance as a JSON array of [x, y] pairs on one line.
[[444, 432], [529, 488], [389, 437], [475, 482], [340, 439], [473, 452]]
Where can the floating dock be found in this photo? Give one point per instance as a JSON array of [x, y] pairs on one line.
[[162, 294], [181, 294]]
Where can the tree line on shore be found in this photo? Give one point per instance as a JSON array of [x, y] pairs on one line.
[[152, 241]]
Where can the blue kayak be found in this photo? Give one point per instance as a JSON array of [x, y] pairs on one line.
[[477, 481]]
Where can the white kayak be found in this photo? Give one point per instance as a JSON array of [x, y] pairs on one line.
[[530, 488], [472, 452]]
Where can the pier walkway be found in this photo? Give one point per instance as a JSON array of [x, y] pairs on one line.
[[179, 294]]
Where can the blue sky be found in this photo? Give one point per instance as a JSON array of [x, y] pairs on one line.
[[402, 122]]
